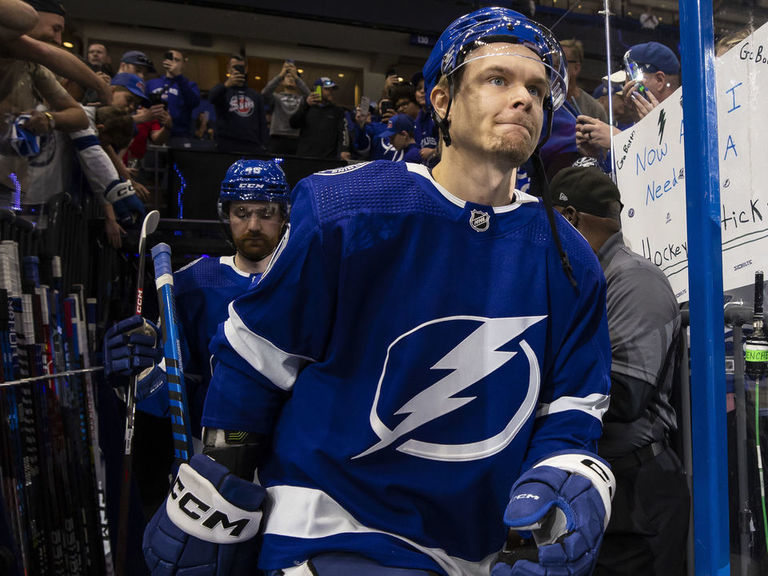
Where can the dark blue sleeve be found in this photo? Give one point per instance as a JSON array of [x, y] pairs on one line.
[[413, 154], [576, 379], [216, 96], [189, 92], [276, 329]]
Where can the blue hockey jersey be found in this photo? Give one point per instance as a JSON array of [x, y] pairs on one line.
[[411, 354], [203, 290]]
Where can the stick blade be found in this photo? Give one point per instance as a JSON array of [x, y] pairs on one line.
[[150, 223]]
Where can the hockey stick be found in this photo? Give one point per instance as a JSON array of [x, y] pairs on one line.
[[26, 418], [14, 467], [97, 457], [35, 397], [174, 367], [147, 227]]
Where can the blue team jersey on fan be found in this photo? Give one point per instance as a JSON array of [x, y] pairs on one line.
[[203, 290], [411, 354]]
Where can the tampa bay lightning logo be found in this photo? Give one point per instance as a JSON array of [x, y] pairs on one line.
[[482, 357]]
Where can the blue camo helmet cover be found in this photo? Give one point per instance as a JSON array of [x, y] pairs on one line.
[[254, 180], [494, 24]]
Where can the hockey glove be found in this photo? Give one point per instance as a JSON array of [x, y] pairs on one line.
[[206, 526], [564, 502], [132, 347], [129, 209], [23, 141]]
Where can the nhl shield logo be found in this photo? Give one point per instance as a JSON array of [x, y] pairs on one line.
[[479, 220]]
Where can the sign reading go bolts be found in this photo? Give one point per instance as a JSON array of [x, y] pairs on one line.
[[651, 173]]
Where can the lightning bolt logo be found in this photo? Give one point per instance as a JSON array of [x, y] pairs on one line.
[[473, 359], [662, 121]]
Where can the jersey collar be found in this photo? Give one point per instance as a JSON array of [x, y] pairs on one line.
[[230, 261], [520, 197]]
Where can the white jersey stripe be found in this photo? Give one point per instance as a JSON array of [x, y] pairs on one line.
[[299, 512], [278, 366], [595, 405]]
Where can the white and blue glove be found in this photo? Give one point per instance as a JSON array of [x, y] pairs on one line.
[[129, 209], [133, 347], [564, 503], [24, 142], [206, 526]]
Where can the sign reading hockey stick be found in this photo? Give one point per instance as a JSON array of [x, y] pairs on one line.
[[147, 227], [174, 369]]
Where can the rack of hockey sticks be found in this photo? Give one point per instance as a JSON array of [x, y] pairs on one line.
[[52, 484]]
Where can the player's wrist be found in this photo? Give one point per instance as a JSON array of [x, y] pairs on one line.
[[51, 120], [592, 467]]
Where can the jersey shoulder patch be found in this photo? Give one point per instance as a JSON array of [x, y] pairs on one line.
[[380, 187]]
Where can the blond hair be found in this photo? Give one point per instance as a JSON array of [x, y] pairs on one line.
[[576, 46]]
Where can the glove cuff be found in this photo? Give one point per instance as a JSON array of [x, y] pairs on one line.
[[593, 468], [195, 506], [119, 191]]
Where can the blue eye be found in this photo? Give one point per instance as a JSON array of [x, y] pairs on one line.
[[496, 81], [534, 90]]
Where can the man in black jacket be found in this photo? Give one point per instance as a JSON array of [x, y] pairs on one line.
[[241, 124], [649, 525], [321, 123]]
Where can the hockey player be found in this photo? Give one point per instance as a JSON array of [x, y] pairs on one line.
[[253, 206], [419, 348]]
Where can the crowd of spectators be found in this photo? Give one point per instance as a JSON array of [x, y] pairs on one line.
[[52, 103]]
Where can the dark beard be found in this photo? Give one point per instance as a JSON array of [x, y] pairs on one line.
[[253, 252]]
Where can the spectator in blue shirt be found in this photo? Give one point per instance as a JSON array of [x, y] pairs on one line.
[[181, 94], [400, 130]]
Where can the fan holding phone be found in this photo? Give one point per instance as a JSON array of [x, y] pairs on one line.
[[653, 73], [178, 92], [321, 123], [241, 123]]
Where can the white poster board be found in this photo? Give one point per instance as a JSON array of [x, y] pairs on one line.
[[651, 173]]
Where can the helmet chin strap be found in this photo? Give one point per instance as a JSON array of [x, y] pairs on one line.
[[550, 120], [443, 123], [540, 180]]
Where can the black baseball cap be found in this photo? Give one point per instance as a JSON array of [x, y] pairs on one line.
[[138, 58], [586, 188]]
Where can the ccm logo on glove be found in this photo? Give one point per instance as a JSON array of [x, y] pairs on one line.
[[526, 497], [196, 507]]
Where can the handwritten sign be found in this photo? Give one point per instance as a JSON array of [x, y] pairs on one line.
[[651, 173]]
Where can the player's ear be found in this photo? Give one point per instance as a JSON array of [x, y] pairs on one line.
[[440, 97], [572, 215]]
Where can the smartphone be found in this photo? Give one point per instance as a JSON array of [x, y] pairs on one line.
[[365, 105], [157, 98], [386, 106], [634, 72], [168, 56], [239, 68], [319, 91]]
